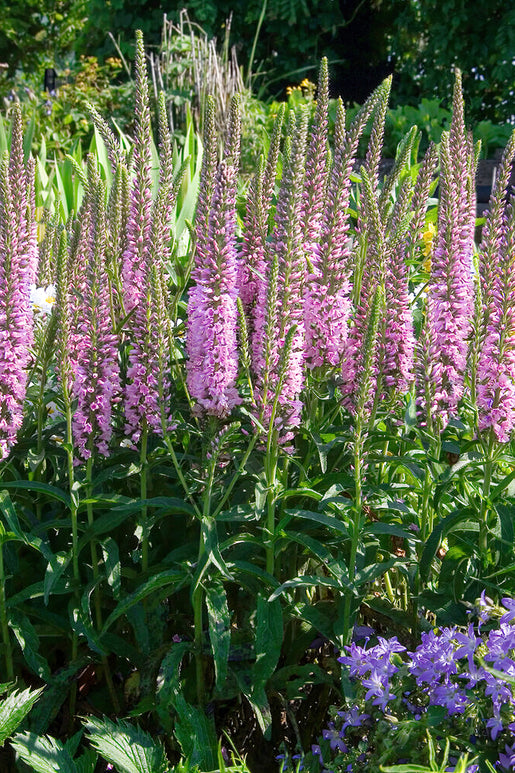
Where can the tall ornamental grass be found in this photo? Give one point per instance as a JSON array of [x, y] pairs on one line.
[[230, 440]]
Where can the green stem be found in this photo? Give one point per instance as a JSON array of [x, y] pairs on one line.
[[484, 511], [198, 593], [356, 529], [143, 495], [97, 598], [74, 502], [270, 478], [9, 666]]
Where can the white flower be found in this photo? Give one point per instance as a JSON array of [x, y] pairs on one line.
[[42, 298]]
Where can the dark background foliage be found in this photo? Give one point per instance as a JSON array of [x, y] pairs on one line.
[[420, 41]]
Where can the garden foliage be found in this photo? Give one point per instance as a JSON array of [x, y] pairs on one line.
[[229, 439]]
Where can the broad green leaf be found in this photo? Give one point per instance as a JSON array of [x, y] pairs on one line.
[[314, 546], [219, 628], [332, 523], [43, 753], [506, 513], [28, 640], [158, 581], [439, 532], [311, 581], [196, 734], [239, 513], [14, 709], [269, 639], [371, 573], [112, 564], [169, 504], [504, 484], [56, 692], [54, 572], [127, 747], [44, 488], [389, 528], [210, 536], [81, 624], [258, 700], [169, 681]]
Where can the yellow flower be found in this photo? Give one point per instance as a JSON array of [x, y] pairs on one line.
[[427, 245]]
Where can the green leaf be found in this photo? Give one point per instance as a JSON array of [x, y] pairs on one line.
[[56, 692], [311, 581], [269, 639], [437, 535], [44, 488], [43, 753], [371, 573], [169, 681], [389, 528], [314, 546], [158, 581], [506, 513], [219, 621], [196, 735], [127, 747], [81, 624], [334, 524], [238, 513], [171, 505], [14, 709], [112, 564], [54, 572], [28, 640]]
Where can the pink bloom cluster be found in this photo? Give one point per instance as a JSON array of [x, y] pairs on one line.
[[450, 298], [18, 261], [212, 305]]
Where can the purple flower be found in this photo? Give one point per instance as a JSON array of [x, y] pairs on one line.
[[351, 718], [507, 759], [495, 726], [495, 319], [212, 367], [18, 258], [278, 316], [448, 324], [378, 688], [136, 256], [434, 657], [509, 616], [96, 380], [335, 738]]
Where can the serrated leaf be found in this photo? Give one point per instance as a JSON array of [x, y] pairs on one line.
[[87, 762], [43, 753], [14, 709], [219, 621], [127, 747]]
